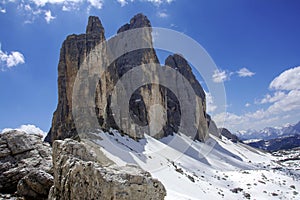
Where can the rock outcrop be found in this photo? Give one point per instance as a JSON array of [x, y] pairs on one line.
[[78, 168], [35, 185], [21, 153], [226, 133], [80, 49], [212, 127]]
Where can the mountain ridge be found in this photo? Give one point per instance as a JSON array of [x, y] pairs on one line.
[[270, 132]]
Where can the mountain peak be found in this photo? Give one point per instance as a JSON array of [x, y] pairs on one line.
[[138, 21], [94, 25]]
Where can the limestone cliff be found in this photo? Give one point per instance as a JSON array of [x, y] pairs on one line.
[[72, 53], [76, 49]]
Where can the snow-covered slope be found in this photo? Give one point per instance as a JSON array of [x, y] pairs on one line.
[[217, 169]]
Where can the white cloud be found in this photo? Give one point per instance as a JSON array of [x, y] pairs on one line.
[[40, 8], [287, 80], [158, 2], [284, 105], [220, 76], [210, 105], [228, 120], [122, 2], [271, 99], [244, 72], [10, 60], [247, 105], [48, 16], [155, 2], [290, 102], [98, 4], [162, 14], [29, 129]]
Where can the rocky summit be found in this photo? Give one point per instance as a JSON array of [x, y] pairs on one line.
[[79, 50]]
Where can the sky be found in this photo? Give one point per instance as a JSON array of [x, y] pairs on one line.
[[254, 43]]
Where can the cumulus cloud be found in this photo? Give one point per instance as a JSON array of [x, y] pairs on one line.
[[158, 2], [284, 104], [288, 80], [122, 2], [29, 129], [11, 59], [289, 102], [162, 14], [244, 72], [210, 105], [247, 105], [273, 98], [155, 2], [220, 76], [48, 16], [31, 10]]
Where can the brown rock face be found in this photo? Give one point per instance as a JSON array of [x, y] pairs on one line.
[[72, 53], [79, 49]]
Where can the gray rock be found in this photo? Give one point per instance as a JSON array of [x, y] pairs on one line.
[[20, 154], [35, 185], [82, 50], [11, 197], [226, 133], [79, 173]]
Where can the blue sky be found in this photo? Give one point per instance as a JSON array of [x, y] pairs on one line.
[[254, 43]]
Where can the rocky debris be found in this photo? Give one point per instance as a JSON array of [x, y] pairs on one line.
[[226, 133], [236, 190], [83, 50], [35, 185], [77, 168], [20, 153], [11, 197]]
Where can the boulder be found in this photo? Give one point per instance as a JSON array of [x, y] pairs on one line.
[[84, 173], [35, 185], [20, 153]]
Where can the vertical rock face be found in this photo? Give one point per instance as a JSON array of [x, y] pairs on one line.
[[178, 63], [72, 53], [144, 101], [76, 169]]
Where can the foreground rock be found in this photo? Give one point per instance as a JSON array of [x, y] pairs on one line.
[[20, 153], [80, 173], [35, 185]]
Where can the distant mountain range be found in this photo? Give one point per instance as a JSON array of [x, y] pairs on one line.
[[272, 139], [270, 132], [281, 143]]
